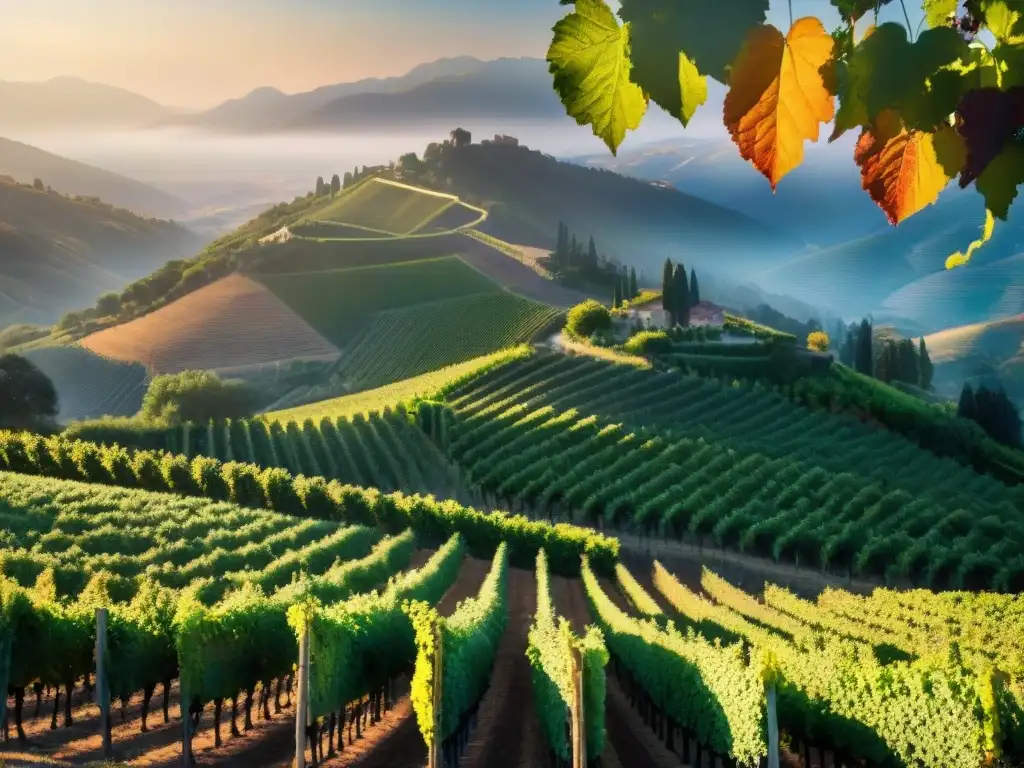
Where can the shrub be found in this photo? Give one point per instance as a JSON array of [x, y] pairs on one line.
[[208, 479], [245, 484], [818, 341], [589, 318], [280, 491], [198, 397], [177, 473], [148, 474], [87, 458], [118, 466], [648, 343]]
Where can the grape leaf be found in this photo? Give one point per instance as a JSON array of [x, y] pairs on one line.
[[778, 96], [988, 119], [937, 12], [664, 72], [852, 10], [589, 58], [1003, 18], [923, 80], [900, 169], [709, 33], [999, 181]]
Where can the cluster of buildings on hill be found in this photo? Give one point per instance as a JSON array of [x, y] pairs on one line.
[[702, 314]]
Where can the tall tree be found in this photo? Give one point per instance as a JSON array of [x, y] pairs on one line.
[[864, 361], [994, 412], [27, 396], [848, 345], [573, 248], [680, 296], [624, 282], [925, 368], [965, 408], [633, 290], [694, 288], [666, 286], [335, 184], [319, 186], [617, 295], [562, 246], [592, 254]]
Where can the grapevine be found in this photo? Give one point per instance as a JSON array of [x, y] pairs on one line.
[[931, 107]]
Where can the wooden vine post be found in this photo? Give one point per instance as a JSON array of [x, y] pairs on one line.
[[576, 712], [302, 700], [434, 756], [102, 685], [770, 676]]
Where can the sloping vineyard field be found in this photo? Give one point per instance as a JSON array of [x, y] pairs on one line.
[[387, 206], [846, 687], [89, 385], [405, 343], [217, 596], [746, 470], [425, 385], [337, 302]]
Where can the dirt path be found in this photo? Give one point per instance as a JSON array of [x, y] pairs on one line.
[[507, 733], [629, 741]]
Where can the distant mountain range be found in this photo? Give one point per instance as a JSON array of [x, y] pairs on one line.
[[66, 102], [457, 88], [25, 163]]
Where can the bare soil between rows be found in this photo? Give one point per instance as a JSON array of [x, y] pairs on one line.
[[394, 741]]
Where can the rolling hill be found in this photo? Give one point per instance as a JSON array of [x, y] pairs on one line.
[[527, 193], [25, 163], [70, 102], [393, 305], [89, 385], [820, 202], [979, 351], [60, 252], [232, 323], [899, 272]]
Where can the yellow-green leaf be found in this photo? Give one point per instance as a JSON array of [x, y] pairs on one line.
[[1003, 17], [938, 11], [589, 58]]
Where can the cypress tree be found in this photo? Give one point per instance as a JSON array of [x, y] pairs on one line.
[[681, 296], [574, 248], [965, 408], [694, 289], [865, 356], [633, 291], [925, 368], [666, 286], [562, 244], [617, 296], [320, 187], [335, 185], [592, 254]]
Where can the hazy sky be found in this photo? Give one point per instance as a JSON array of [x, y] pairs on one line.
[[196, 53]]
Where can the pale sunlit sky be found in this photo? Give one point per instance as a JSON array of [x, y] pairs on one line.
[[196, 53]]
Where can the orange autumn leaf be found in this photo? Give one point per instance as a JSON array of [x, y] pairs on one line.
[[778, 97], [900, 169]]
